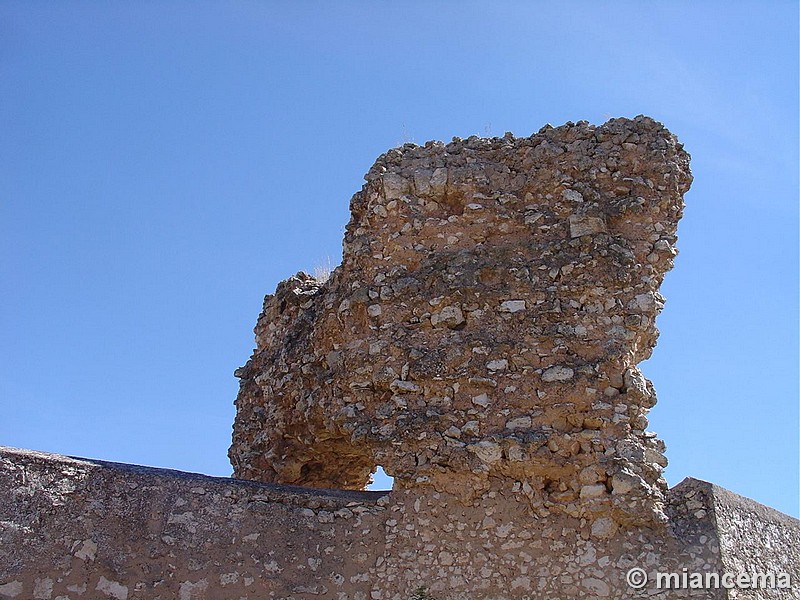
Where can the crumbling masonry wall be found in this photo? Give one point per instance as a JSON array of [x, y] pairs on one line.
[[75, 529], [480, 341], [494, 299]]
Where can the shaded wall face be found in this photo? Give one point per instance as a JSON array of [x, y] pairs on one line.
[[757, 540], [494, 299], [79, 529], [72, 529]]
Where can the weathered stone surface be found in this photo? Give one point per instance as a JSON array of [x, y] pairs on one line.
[[75, 528], [499, 281], [480, 341]]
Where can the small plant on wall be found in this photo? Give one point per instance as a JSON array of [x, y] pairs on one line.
[[421, 593]]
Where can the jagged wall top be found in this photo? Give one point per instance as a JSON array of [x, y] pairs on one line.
[[494, 298]]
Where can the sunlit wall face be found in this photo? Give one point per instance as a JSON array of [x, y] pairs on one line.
[[163, 169]]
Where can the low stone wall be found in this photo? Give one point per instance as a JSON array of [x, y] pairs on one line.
[[756, 539], [76, 528]]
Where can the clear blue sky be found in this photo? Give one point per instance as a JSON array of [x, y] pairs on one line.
[[164, 164]]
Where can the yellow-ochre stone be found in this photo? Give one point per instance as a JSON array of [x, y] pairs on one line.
[[480, 342]]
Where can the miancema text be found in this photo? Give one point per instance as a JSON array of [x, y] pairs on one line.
[[753, 581]]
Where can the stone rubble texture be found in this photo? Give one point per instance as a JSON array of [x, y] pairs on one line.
[[494, 299], [480, 341], [73, 529]]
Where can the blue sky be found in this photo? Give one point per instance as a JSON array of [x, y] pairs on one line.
[[164, 165]]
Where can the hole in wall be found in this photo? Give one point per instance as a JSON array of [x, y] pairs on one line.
[[380, 481]]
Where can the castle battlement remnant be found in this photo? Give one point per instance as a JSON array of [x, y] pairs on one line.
[[494, 299], [480, 342]]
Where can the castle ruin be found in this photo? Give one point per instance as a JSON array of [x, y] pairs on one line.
[[480, 342]]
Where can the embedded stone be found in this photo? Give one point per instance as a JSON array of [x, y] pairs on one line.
[[497, 365], [604, 528], [488, 452], [512, 306], [449, 316], [593, 491], [404, 386], [580, 225], [558, 373], [481, 400], [519, 423]]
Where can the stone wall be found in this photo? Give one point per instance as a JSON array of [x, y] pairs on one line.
[[494, 299], [81, 529], [756, 539], [480, 341], [73, 528]]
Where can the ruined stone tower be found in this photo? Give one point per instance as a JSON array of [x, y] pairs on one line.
[[480, 341], [494, 299]]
